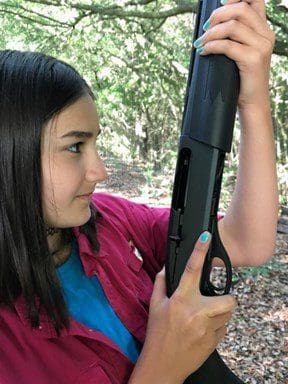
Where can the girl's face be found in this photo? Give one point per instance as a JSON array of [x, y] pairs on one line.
[[71, 166]]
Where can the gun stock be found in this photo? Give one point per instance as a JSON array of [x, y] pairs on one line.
[[206, 136]]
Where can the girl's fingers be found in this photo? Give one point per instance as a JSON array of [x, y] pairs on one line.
[[233, 30], [237, 31], [235, 51], [217, 306], [257, 5], [246, 56], [245, 14], [190, 280]]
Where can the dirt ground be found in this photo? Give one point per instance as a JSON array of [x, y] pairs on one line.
[[256, 345]]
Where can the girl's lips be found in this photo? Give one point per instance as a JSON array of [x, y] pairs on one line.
[[85, 197]]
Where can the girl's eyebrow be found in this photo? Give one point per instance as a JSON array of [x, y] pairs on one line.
[[80, 134]]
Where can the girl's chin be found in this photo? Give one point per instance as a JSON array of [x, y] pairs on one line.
[[77, 221]]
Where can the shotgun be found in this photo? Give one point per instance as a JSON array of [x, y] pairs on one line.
[[206, 136]]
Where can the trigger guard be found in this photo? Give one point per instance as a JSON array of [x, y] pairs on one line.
[[217, 248]]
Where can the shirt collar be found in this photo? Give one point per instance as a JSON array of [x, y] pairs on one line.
[[86, 253], [46, 329]]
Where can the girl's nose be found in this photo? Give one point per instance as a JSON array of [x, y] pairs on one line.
[[96, 171]]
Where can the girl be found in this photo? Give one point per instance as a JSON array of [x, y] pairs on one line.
[[82, 292]]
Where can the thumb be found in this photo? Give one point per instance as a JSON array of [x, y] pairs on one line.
[[159, 290]]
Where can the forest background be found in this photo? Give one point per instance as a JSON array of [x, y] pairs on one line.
[[135, 55]]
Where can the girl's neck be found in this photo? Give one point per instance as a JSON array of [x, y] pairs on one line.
[[58, 248]]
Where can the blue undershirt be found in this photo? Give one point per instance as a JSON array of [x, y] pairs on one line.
[[87, 303]]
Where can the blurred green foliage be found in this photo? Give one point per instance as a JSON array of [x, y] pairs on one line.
[[135, 55]]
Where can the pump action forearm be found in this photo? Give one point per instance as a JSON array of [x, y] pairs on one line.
[[206, 136]]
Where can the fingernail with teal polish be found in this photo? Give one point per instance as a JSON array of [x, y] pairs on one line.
[[200, 50], [223, 2], [204, 237], [206, 24], [198, 42]]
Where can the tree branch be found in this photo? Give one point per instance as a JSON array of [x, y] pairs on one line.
[[154, 29], [5, 11], [16, 13], [140, 2], [120, 12], [42, 16], [46, 2]]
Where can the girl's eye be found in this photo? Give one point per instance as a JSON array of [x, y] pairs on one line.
[[74, 147]]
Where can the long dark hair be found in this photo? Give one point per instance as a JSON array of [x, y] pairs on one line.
[[34, 88]]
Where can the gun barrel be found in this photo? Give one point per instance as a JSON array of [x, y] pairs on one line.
[[207, 132], [212, 92]]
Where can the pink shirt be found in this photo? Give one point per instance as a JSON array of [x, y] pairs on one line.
[[82, 355]]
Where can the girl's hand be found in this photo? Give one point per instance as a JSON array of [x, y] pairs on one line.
[[182, 330], [240, 31]]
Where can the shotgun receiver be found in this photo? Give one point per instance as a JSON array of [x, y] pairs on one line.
[[207, 131]]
